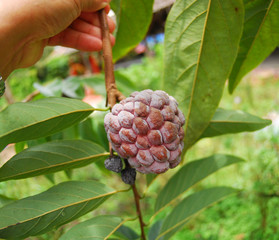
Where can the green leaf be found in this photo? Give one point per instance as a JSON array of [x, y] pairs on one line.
[[191, 206], [155, 230], [52, 89], [58, 205], [95, 228], [189, 175], [124, 84], [26, 121], [124, 232], [50, 177], [5, 200], [260, 37], [51, 157], [201, 44], [231, 121], [134, 18], [86, 130], [72, 87], [150, 178], [20, 146]]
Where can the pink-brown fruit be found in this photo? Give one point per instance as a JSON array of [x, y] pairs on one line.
[[147, 129]]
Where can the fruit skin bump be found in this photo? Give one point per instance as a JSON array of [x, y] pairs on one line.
[[147, 129]]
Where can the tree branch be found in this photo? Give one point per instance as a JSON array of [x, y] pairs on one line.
[[113, 94], [139, 213]]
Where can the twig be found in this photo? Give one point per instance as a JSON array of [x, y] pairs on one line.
[[113, 95], [137, 201]]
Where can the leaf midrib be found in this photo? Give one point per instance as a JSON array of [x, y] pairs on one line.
[[56, 165], [65, 206], [45, 120], [197, 68]]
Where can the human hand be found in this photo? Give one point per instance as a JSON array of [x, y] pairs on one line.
[[30, 25]]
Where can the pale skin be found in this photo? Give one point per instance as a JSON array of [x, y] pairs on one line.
[[28, 26]]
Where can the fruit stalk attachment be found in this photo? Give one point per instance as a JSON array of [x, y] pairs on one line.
[[114, 96]]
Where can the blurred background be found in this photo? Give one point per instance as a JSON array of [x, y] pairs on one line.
[[65, 72]]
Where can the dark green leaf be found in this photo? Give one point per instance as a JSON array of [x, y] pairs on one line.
[[201, 45], [5, 200], [189, 175], [191, 206], [26, 121], [95, 228], [60, 204], [260, 37], [134, 18], [231, 121], [69, 173], [150, 178], [124, 232], [124, 84], [86, 130], [51, 157], [155, 230], [50, 177]]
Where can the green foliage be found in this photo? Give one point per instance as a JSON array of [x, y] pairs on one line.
[[61, 204], [189, 175], [126, 233], [98, 227], [52, 157], [25, 121], [133, 17], [53, 136], [230, 121], [260, 37], [205, 35], [190, 206]]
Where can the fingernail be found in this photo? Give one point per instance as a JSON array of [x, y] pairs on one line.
[[104, 4]]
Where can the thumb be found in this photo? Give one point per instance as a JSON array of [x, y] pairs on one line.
[[93, 5]]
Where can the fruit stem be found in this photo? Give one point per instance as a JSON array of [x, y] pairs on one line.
[[113, 94], [139, 213]]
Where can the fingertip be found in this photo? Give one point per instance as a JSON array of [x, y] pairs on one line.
[[107, 8], [112, 39], [111, 24]]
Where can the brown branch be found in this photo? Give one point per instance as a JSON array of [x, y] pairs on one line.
[[137, 201], [113, 94]]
